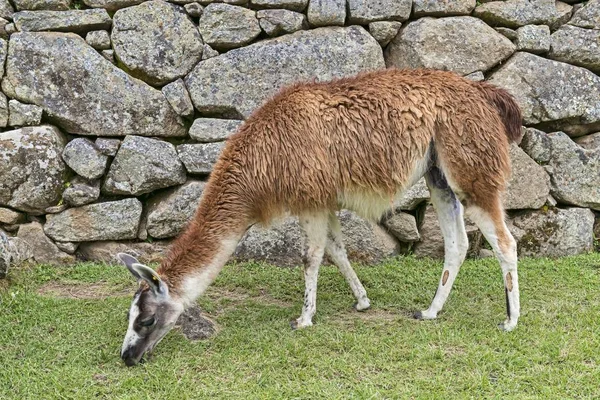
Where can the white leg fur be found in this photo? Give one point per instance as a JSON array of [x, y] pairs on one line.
[[508, 262], [450, 214], [336, 251], [315, 226]]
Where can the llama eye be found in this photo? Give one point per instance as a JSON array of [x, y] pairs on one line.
[[148, 322]]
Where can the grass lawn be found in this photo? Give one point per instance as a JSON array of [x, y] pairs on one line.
[[61, 331]]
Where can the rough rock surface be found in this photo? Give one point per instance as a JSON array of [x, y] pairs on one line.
[[80, 193], [85, 158], [476, 76], [194, 10], [384, 31], [170, 211], [326, 12], [587, 16], [556, 94], [79, 21], [55, 5], [143, 165], [361, 12], [208, 52], [509, 33], [20, 114], [577, 46], [179, 98], [554, 232], [194, 325], [283, 244], [111, 220], [460, 44], [147, 253], [529, 185], [432, 241], [516, 13], [224, 26], [108, 147], [281, 22], [163, 48], [8, 216], [589, 142], [295, 5], [537, 145], [200, 158], [52, 70], [242, 79], [575, 172], [206, 130], [100, 40], [32, 170], [3, 111], [436, 8], [533, 38], [403, 226], [67, 247], [6, 9], [413, 196], [111, 5], [44, 251]]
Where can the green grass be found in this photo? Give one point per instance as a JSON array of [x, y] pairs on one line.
[[57, 347]]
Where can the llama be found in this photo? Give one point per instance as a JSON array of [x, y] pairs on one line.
[[354, 143]]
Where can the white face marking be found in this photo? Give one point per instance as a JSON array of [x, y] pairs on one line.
[[131, 337]]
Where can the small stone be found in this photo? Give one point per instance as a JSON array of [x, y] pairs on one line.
[[108, 147], [205, 130], [436, 8], [364, 11], [56, 209], [281, 22], [476, 76], [194, 10], [403, 226], [67, 247], [413, 196], [208, 52], [224, 26], [537, 145], [80, 192], [194, 325], [44, 251], [200, 158], [79, 21], [326, 12], [384, 31], [55, 5], [112, 220], [109, 55], [509, 33], [142, 231], [3, 33], [551, 201], [10, 29], [590, 142], [533, 38], [100, 40], [143, 165], [10, 217], [295, 5], [179, 98], [486, 253], [85, 158], [105, 252], [20, 114]]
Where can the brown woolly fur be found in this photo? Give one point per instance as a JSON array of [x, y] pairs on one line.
[[351, 143]]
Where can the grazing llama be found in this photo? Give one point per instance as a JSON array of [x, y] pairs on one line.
[[354, 143]]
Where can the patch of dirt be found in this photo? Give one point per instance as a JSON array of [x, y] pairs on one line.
[[85, 291]]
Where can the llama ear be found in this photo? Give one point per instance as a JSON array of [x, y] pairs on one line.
[[147, 274]]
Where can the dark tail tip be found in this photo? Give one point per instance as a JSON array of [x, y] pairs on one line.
[[507, 107]]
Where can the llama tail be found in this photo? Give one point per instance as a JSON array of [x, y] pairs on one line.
[[507, 107]]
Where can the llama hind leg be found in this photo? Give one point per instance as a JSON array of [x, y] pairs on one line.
[[337, 253], [490, 220], [315, 226], [450, 214]]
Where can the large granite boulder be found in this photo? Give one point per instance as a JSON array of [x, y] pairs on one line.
[[224, 26], [516, 13], [82, 91], [166, 46], [43, 250], [170, 211], [31, 167], [529, 185], [111, 220], [242, 79], [460, 44], [576, 46], [79, 21], [552, 94], [554, 232], [143, 165], [85, 158]]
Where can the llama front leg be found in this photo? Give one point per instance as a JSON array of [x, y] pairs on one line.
[[315, 226], [337, 253], [450, 214]]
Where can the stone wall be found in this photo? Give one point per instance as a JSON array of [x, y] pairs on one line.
[[113, 113]]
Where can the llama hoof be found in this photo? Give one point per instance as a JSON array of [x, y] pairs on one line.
[[508, 325], [362, 305], [424, 315], [295, 324]]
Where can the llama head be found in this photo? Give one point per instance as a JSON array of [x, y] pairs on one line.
[[152, 314]]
